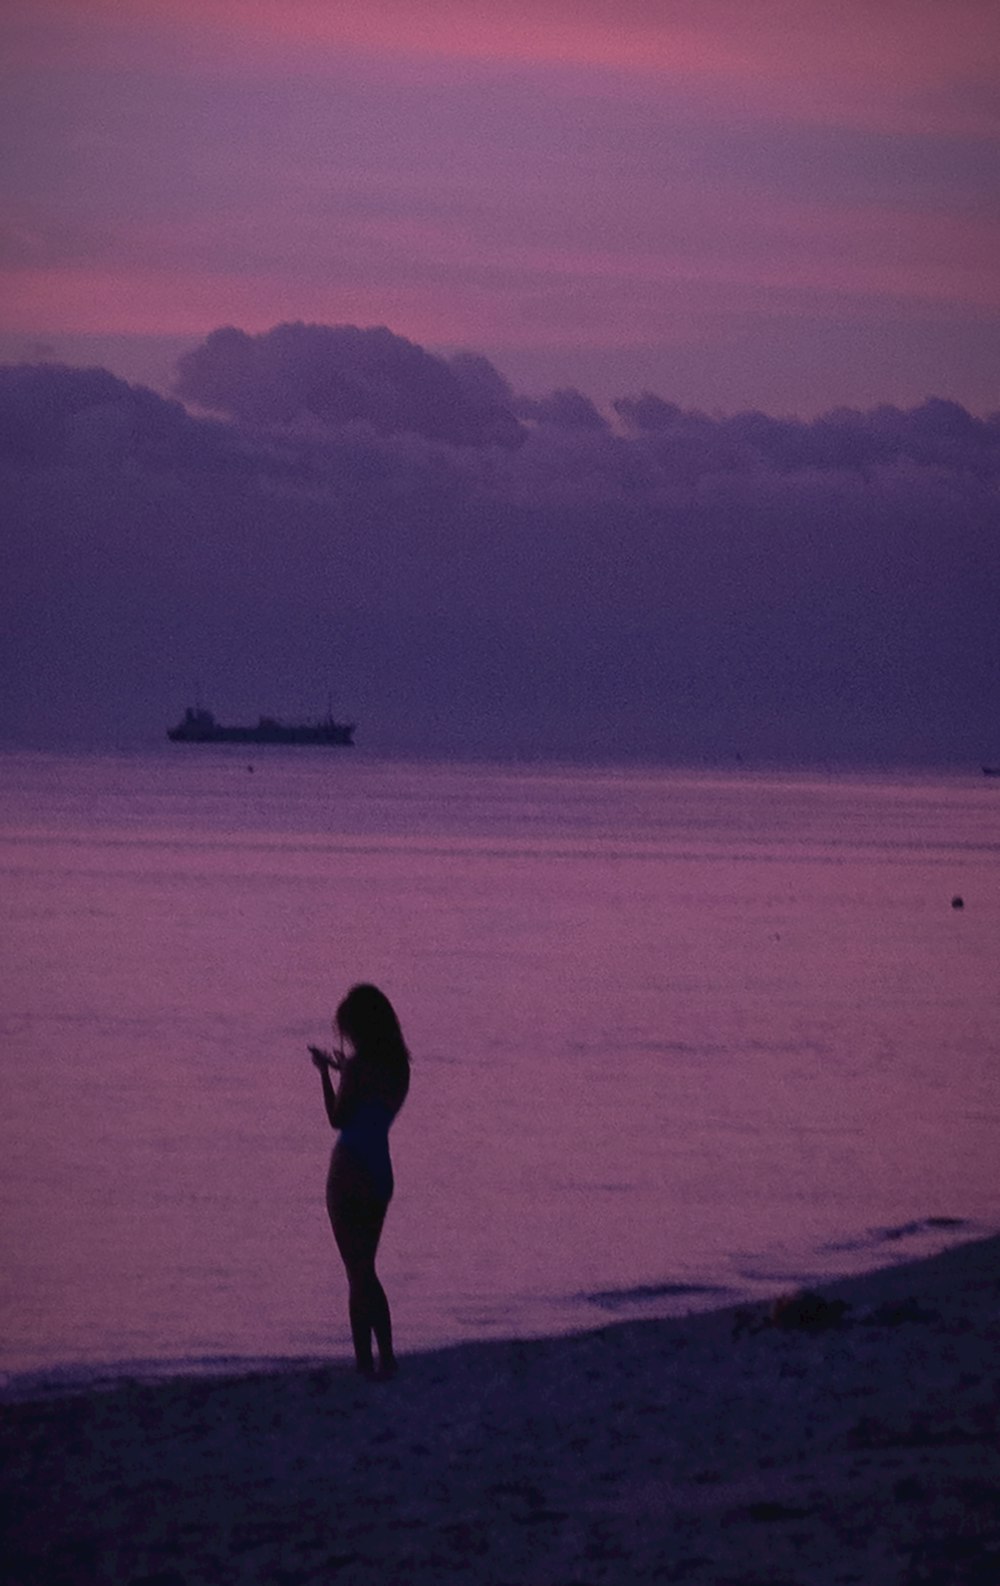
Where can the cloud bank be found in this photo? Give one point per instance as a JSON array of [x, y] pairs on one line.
[[472, 572], [342, 375]]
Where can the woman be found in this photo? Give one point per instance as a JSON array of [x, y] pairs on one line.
[[374, 1079]]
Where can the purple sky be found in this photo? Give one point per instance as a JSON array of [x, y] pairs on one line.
[[543, 511], [782, 204]]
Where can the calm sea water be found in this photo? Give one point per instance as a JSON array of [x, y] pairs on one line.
[[678, 1038]]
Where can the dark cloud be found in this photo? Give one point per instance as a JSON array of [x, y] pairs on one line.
[[340, 375], [648, 413], [565, 409], [685, 585], [484, 386], [53, 414]]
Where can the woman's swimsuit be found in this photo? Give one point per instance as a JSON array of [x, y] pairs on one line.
[[365, 1136]]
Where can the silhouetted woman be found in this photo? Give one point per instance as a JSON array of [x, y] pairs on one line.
[[374, 1079]]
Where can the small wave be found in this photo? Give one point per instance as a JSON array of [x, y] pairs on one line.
[[614, 1299], [893, 1233], [921, 1226]]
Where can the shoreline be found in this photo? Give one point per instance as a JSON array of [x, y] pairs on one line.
[[717, 1448], [665, 1301]]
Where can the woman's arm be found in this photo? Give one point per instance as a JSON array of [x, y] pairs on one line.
[[335, 1101], [331, 1100]]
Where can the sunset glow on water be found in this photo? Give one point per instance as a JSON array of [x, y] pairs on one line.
[[678, 1037]]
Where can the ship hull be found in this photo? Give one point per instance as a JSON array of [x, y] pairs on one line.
[[201, 727]]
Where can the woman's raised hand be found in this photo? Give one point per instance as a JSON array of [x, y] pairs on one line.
[[322, 1059]]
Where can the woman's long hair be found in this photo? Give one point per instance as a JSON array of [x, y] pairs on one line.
[[368, 1020]]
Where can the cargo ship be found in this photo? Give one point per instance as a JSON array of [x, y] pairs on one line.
[[200, 726]]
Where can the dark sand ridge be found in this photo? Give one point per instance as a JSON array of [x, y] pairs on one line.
[[691, 1450]]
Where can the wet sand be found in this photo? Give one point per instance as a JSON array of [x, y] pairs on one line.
[[847, 1446]]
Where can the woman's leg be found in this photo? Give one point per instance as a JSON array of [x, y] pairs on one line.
[[381, 1323], [357, 1227]]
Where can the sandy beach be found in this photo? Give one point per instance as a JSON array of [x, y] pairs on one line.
[[810, 1445]]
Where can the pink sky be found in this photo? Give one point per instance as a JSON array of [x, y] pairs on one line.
[[783, 204]]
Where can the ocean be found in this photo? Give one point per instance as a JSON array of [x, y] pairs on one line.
[[680, 1038]]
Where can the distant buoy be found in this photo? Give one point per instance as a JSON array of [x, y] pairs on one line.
[[958, 902]]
